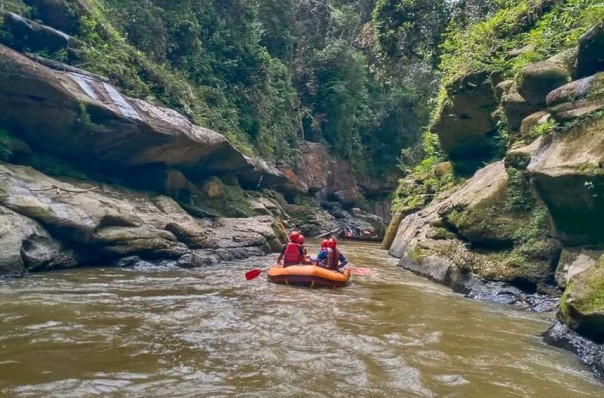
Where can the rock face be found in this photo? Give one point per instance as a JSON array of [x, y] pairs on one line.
[[582, 307], [464, 124], [103, 224], [26, 246], [574, 261], [477, 229], [516, 108], [577, 98], [591, 51], [314, 166], [537, 80], [90, 123], [567, 174]]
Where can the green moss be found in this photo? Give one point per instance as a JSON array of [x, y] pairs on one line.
[[54, 167], [442, 234], [518, 196], [582, 305], [16, 6], [416, 254], [590, 297], [230, 201]]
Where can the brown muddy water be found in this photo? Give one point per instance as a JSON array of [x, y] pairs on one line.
[[160, 332]]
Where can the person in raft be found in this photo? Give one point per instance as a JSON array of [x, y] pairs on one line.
[[331, 258], [301, 241], [324, 245], [292, 253]]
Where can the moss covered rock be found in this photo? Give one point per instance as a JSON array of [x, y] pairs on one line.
[[492, 226], [537, 80], [515, 107], [391, 230], [568, 174], [582, 307], [577, 98], [531, 122], [574, 261], [465, 122]]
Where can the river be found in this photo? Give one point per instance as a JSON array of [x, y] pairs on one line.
[[164, 332]]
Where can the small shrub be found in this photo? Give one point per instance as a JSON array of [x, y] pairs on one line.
[[542, 129]]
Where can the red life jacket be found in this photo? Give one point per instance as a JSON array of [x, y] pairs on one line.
[[333, 258], [292, 254]]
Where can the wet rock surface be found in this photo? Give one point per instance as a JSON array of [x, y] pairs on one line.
[[51, 224], [588, 352]]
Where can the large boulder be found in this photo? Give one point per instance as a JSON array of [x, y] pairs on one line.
[[90, 123], [591, 51], [537, 80], [582, 306], [514, 105], [567, 172], [465, 122], [483, 228], [26, 246], [577, 98], [574, 261], [113, 221]]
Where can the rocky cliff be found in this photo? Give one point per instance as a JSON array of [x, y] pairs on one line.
[[94, 176], [531, 221]]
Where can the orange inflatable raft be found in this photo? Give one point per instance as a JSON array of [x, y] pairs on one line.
[[307, 275]]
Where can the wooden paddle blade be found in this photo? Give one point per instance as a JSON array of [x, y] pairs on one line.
[[253, 274]]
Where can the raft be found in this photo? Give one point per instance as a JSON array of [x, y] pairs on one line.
[[308, 275]]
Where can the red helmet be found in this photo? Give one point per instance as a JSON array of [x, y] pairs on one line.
[[301, 239], [324, 243], [332, 243], [294, 237]]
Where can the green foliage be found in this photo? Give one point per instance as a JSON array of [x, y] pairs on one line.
[[16, 6], [5, 151], [557, 30], [542, 29], [202, 58], [542, 129], [410, 28]]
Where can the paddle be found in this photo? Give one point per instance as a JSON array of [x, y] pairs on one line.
[[253, 274], [359, 271]]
